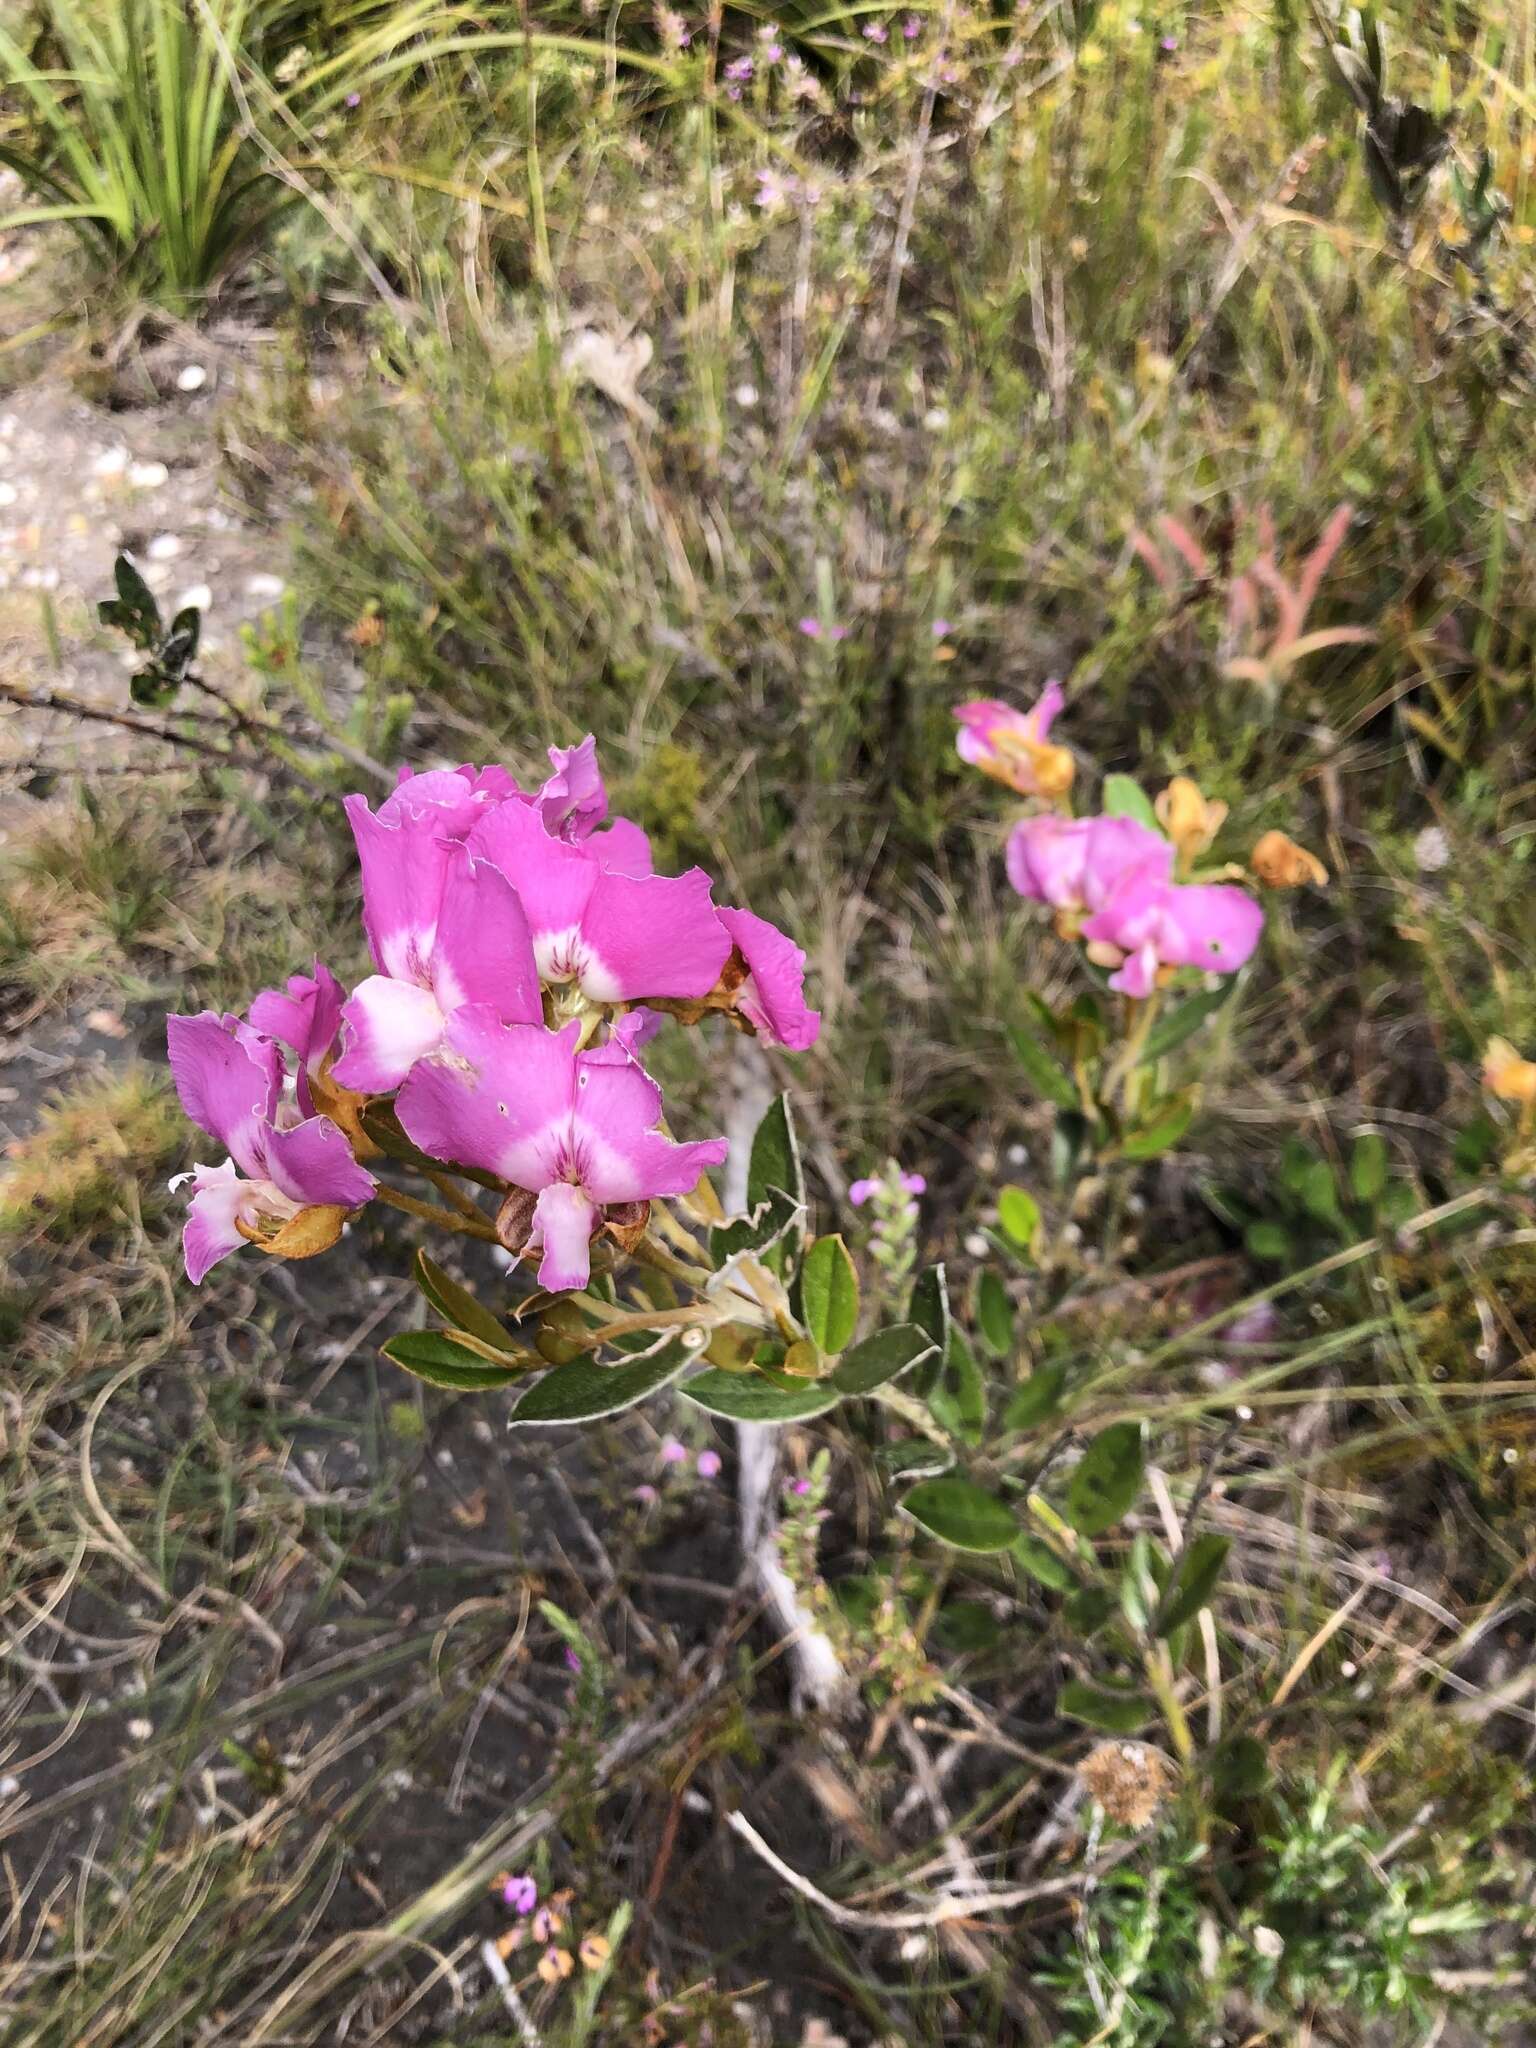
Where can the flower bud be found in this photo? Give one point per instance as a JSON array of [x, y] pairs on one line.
[[1279, 863]]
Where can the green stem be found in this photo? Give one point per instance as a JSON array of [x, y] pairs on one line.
[[444, 1219]]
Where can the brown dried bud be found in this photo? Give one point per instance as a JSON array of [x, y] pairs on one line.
[[1280, 863], [1130, 1780]]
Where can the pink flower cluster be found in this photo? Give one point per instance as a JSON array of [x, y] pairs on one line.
[[520, 942], [1111, 880]]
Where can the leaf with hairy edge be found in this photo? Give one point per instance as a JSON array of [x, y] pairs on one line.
[[881, 1357], [770, 1219], [434, 1356], [775, 1161], [748, 1397], [458, 1306], [1107, 1480], [829, 1294], [961, 1514], [1118, 1713], [1198, 1574], [584, 1390]]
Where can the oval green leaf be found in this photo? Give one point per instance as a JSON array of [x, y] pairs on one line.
[[748, 1397], [961, 1514], [434, 1356], [584, 1390], [829, 1294], [458, 1306], [881, 1357], [1107, 1479], [1118, 1713], [1198, 1574]]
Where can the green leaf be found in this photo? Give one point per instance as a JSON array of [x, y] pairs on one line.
[[994, 1312], [961, 1514], [584, 1390], [1117, 1712], [1019, 1215], [1185, 1019], [1042, 1564], [1199, 1570], [133, 611], [749, 1397], [152, 688], [458, 1306], [929, 1309], [1319, 1192], [1107, 1479], [1268, 1241], [829, 1294], [917, 1458], [434, 1356], [1087, 1608], [958, 1398], [775, 1161], [1036, 1398], [1042, 1072], [1369, 1165], [1125, 798], [769, 1221], [1169, 1124], [882, 1356], [965, 1627]]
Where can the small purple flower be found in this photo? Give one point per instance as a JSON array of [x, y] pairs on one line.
[[910, 1183], [813, 629], [520, 1895], [573, 1662], [647, 1496], [912, 28], [941, 629], [672, 1452], [709, 1464], [739, 70], [1169, 43], [800, 1488], [876, 32], [354, 99], [1256, 1325]]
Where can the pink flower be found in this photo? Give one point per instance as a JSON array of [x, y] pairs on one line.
[[912, 28], [1148, 924], [772, 997], [597, 918], [1012, 746], [876, 32], [910, 1183], [672, 1452], [941, 629], [1074, 864], [230, 1080], [306, 1018], [520, 1895], [576, 1129], [708, 1465], [813, 629], [739, 70]]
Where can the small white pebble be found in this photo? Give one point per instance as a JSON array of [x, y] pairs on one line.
[[140, 1731], [936, 419], [746, 395], [192, 378], [1269, 1944], [445, 1459], [8, 494], [9, 1787], [197, 597], [976, 1245], [264, 586], [164, 547], [148, 476], [1348, 1668], [1511, 1456], [111, 462], [1431, 850]]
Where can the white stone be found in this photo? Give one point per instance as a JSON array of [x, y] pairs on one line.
[[262, 585], [192, 378], [148, 476], [111, 462], [164, 547], [8, 494], [197, 596]]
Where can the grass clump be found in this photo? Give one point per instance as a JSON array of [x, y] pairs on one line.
[[94, 1151]]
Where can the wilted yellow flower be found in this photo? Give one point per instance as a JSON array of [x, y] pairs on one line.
[[555, 1964], [1507, 1075], [1190, 819], [594, 1951], [1281, 864]]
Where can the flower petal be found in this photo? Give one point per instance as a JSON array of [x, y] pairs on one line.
[[210, 1234], [622, 1156], [228, 1083], [554, 881], [483, 952], [563, 1221], [312, 1164], [306, 1017], [772, 998], [573, 801], [387, 1026], [499, 1097], [651, 935], [623, 847]]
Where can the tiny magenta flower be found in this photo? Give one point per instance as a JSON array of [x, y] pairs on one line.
[[1013, 746], [708, 1465], [289, 1180], [876, 32], [520, 1895], [909, 1183], [672, 1452]]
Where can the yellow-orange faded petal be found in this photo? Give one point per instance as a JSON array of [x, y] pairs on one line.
[[312, 1231], [1279, 863], [1190, 819], [1506, 1074]]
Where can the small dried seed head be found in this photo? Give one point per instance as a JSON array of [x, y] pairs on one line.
[[1129, 1780]]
